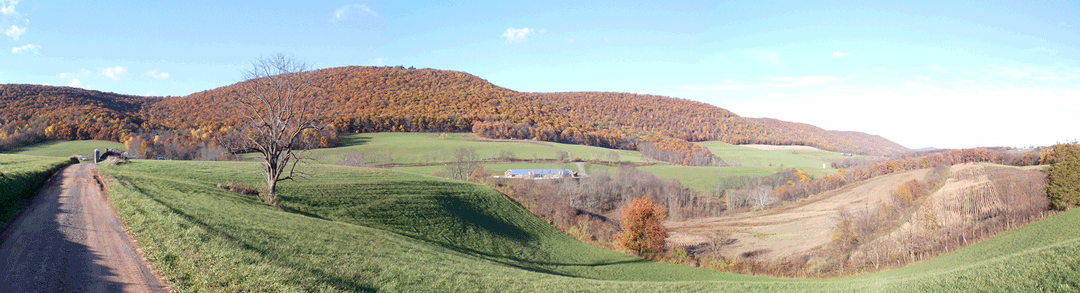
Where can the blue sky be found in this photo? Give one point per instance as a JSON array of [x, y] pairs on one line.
[[921, 73]]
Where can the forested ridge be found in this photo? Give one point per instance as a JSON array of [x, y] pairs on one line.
[[32, 113], [370, 99]]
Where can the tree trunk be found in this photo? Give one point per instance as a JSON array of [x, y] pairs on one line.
[[271, 196], [271, 183]]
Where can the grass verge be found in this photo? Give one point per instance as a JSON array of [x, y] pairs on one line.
[[20, 178]]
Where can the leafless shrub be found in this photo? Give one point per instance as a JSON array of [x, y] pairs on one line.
[[115, 160], [239, 188]]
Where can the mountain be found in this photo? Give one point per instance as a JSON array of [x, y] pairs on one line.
[[33, 112], [398, 99]]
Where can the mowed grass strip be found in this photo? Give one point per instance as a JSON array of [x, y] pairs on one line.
[[20, 178], [354, 229]]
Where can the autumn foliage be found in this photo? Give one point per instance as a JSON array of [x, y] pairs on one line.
[[643, 227], [396, 99]]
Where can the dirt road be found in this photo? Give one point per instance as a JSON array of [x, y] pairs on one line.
[[69, 240], [581, 170]]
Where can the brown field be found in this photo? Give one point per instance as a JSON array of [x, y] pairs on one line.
[[787, 230]]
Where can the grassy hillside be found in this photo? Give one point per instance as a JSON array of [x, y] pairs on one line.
[[20, 178], [66, 148], [704, 179], [354, 229], [805, 160], [434, 148]]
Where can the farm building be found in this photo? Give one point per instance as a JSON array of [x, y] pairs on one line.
[[539, 174]]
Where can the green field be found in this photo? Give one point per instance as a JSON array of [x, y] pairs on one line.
[[413, 148], [66, 148], [20, 178], [805, 160], [1036, 167], [434, 148], [493, 168], [356, 229], [704, 179]]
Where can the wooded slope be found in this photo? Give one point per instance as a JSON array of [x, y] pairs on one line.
[[370, 99]]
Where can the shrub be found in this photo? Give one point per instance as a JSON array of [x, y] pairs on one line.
[[116, 160], [1063, 186], [239, 188], [643, 227]]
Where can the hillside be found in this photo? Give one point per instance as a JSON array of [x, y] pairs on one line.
[[32, 113], [395, 99], [376, 230]]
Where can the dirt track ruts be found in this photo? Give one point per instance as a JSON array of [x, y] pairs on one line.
[[69, 240]]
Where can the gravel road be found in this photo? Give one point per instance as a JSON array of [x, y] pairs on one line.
[[69, 240]]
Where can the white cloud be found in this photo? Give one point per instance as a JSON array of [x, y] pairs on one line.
[[75, 83], [344, 12], [840, 55], [24, 49], [114, 73], [514, 35], [378, 62], [155, 75], [15, 32], [8, 7]]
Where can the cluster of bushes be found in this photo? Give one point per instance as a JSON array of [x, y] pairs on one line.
[[589, 208], [911, 226]]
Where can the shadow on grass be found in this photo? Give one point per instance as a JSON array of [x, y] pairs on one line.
[[322, 276], [472, 217], [353, 140], [30, 147], [532, 265]]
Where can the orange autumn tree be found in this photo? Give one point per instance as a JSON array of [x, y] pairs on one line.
[[643, 227]]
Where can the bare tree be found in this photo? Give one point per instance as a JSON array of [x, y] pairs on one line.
[[465, 162], [278, 103], [761, 197]]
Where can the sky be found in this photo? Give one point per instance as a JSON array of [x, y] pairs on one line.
[[946, 74]]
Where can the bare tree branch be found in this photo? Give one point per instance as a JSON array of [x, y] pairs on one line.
[[277, 102]]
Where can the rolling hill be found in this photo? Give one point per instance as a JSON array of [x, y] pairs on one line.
[[396, 99], [358, 229]]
